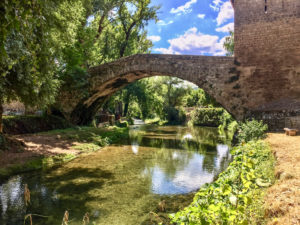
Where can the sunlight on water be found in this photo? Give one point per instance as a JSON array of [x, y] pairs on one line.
[[188, 136], [122, 184]]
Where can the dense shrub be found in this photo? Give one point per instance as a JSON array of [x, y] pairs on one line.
[[175, 115], [32, 124], [251, 130], [236, 197], [122, 123], [211, 117]]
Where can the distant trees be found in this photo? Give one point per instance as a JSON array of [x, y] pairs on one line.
[[162, 97]]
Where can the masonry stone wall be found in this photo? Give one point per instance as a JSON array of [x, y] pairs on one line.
[[267, 52]]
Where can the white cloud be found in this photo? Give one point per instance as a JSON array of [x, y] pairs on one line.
[[163, 23], [226, 13], [226, 28], [154, 38], [194, 43], [220, 50], [201, 16], [186, 8], [166, 51], [216, 5]]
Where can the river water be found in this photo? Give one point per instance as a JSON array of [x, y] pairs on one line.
[[122, 184]]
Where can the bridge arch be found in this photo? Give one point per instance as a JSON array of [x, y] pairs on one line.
[[216, 75]]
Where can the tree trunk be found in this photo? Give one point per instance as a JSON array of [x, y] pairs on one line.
[[126, 102], [128, 33], [1, 123], [126, 108], [100, 26]]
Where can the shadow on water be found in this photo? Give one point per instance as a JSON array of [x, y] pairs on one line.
[[122, 184]]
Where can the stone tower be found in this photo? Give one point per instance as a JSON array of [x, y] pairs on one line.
[[267, 56]]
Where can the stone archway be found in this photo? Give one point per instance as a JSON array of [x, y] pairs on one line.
[[216, 75]]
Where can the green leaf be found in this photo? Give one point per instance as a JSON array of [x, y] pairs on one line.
[[262, 183]]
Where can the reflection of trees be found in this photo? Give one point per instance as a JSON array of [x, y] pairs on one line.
[[209, 162], [171, 161], [11, 201], [171, 141]]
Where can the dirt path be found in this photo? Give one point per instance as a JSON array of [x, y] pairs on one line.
[[283, 198], [37, 146]]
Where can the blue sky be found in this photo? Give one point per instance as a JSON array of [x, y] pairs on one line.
[[193, 27]]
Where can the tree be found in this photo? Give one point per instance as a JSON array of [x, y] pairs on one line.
[[32, 34], [134, 21], [229, 44]]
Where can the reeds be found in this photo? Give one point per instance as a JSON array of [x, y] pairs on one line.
[[26, 195], [65, 220], [86, 219]]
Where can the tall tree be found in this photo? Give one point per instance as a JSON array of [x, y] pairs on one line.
[[134, 15], [32, 34]]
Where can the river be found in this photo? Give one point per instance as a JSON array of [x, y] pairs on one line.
[[124, 183]]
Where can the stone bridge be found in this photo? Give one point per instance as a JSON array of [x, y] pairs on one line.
[[216, 75], [262, 80]]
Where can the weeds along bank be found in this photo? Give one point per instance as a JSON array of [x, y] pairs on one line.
[[237, 196]]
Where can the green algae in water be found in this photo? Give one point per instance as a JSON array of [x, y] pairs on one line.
[[122, 184]]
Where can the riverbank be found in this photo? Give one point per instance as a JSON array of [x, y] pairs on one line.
[[282, 201], [48, 149], [236, 197]]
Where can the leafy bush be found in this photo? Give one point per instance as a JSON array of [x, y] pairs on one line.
[[251, 130], [211, 117], [233, 126], [175, 115], [236, 197], [130, 120]]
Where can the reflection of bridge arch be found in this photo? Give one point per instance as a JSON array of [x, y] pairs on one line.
[[215, 75]]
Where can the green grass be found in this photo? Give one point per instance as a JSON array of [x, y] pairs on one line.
[[156, 121], [98, 136], [91, 139]]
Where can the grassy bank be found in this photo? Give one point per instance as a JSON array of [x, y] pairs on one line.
[[90, 138], [237, 196], [79, 140]]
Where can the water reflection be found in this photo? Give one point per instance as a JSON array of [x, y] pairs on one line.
[[184, 161], [123, 183]]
